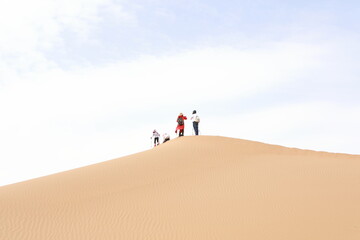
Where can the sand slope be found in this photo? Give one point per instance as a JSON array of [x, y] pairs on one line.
[[192, 188]]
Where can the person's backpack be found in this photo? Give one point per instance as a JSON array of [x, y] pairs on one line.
[[180, 121]]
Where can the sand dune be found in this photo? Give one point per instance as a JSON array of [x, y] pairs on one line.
[[192, 188]]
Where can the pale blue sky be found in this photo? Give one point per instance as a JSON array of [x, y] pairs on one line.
[[163, 27], [85, 81]]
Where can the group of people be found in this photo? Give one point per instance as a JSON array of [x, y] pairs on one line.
[[179, 128]]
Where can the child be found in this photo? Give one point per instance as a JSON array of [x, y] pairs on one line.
[[166, 137]]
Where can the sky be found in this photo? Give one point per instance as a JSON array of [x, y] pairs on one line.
[[86, 81]]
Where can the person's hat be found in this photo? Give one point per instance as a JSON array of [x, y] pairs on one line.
[[194, 111]]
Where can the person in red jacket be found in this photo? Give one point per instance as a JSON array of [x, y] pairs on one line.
[[181, 124]]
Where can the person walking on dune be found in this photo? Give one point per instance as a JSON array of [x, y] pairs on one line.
[[156, 136], [181, 124], [196, 120]]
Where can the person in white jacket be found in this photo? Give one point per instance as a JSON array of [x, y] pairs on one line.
[[166, 137], [196, 120], [156, 136]]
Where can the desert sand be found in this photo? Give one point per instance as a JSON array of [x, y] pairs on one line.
[[198, 187]]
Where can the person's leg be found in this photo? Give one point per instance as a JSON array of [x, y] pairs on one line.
[[181, 133], [196, 128]]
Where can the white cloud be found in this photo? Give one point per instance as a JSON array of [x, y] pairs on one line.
[[29, 28], [208, 73]]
